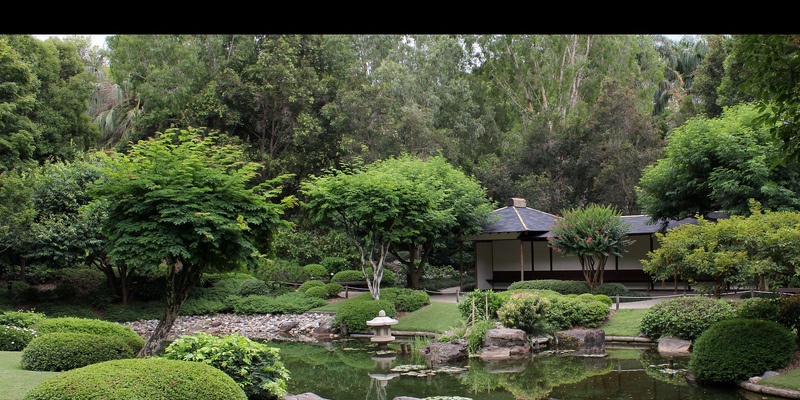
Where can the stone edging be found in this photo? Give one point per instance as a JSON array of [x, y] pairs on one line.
[[770, 390]]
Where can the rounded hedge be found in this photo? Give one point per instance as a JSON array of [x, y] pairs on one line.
[[62, 351], [355, 313], [309, 284], [734, 350], [317, 291], [348, 276], [92, 326], [526, 311], [685, 317], [140, 378], [570, 311], [333, 289], [406, 299], [315, 271], [758, 308]]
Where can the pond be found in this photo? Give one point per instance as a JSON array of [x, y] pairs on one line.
[[354, 369]]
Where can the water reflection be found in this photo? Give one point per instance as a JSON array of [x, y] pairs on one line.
[[353, 370]]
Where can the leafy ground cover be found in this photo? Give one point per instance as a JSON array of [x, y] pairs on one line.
[[16, 381]]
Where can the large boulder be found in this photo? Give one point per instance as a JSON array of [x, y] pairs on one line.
[[674, 347], [303, 396], [502, 343], [442, 353], [594, 343]]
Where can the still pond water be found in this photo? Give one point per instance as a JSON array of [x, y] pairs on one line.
[[355, 370]]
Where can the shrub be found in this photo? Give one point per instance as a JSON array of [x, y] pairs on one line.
[[309, 284], [21, 319], [289, 303], [317, 291], [14, 338], [335, 264], [476, 334], [483, 304], [202, 306], [253, 286], [604, 299], [256, 367], [734, 350], [84, 280], [685, 317], [315, 271], [406, 299], [348, 276], [145, 378], [525, 311], [355, 313], [614, 289], [333, 289], [571, 311], [563, 287], [789, 312], [758, 308], [280, 271], [92, 326], [62, 351]]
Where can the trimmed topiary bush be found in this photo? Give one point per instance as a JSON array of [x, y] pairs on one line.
[[14, 338], [685, 317], [309, 284], [563, 287], [483, 304], [758, 308], [317, 291], [315, 271], [571, 311], [526, 311], [355, 313], [253, 286], [141, 378], [333, 289], [734, 350], [348, 276], [62, 351], [256, 367], [92, 326], [406, 299]]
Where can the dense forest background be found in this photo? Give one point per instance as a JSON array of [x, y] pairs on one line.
[[560, 120]]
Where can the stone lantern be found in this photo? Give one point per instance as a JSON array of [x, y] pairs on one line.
[[382, 329]]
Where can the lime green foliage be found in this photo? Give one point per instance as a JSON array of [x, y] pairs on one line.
[[64, 351], [142, 378], [480, 304], [348, 276], [309, 284], [526, 311], [14, 338], [406, 299], [355, 313], [256, 367], [685, 317], [624, 322], [560, 286], [21, 319], [734, 350], [592, 233], [92, 326], [289, 303], [763, 248], [437, 317], [315, 271]]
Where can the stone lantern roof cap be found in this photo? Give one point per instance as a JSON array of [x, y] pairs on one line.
[[381, 320]]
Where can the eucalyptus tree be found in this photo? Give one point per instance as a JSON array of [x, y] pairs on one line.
[[182, 203]]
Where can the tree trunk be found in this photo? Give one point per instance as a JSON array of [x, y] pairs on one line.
[[180, 280]]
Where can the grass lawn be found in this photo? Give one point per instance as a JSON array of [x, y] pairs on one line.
[[788, 380], [436, 317], [624, 322], [17, 381]]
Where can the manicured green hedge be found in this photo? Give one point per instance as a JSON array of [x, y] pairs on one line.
[[406, 299], [348, 276], [62, 351], [309, 284], [734, 350], [685, 317], [92, 326], [147, 378], [526, 311], [355, 313], [256, 367]]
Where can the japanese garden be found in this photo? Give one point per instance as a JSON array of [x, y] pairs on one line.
[[401, 217]]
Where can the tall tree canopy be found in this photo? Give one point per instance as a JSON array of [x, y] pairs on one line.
[[719, 164], [183, 202]]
